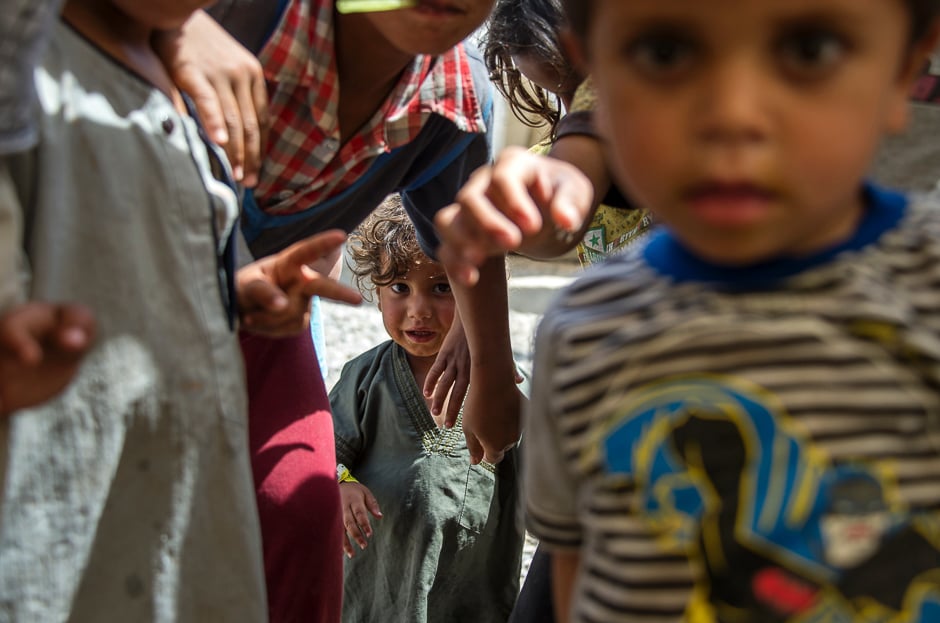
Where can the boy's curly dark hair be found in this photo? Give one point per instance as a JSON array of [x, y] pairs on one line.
[[530, 28], [384, 247]]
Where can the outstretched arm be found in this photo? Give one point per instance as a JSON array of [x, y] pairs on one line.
[[492, 410], [536, 205]]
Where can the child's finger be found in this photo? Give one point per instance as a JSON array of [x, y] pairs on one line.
[[514, 190], [324, 287], [458, 269], [362, 521], [26, 348], [474, 446], [373, 505], [24, 329], [458, 392], [261, 295], [571, 199], [434, 374], [77, 327], [311, 249], [441, 389], [347, 546], [351, 525]]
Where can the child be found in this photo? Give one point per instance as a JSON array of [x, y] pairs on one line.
[[524, 38], [414, 118], [129, 496], [527, 64], [445, 540], [739, 422]]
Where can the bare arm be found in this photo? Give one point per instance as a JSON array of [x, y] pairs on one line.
[[585, 153], [564, 572], [517, 204], [492, 410]]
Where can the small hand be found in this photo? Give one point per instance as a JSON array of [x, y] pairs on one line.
[[492, 419], [450, 374], [274, 292], [519, 201], [41, 347], [358, 503], [227, 85]]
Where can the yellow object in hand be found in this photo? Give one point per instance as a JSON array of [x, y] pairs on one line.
[[372, 6]]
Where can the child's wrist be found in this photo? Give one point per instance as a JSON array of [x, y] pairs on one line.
[[343, 474]]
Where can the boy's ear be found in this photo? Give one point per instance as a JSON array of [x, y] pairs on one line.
[[913, 64], [573, 50]]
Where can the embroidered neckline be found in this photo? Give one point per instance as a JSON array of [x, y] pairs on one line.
[[435, 441]]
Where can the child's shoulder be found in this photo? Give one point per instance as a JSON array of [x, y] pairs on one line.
[[368, 364]]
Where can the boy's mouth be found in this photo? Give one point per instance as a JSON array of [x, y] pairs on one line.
[[421, 335], [729, 203]]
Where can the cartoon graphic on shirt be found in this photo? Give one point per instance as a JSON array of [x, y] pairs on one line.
[[726, 477]]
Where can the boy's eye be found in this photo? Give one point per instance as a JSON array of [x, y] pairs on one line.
[[810, 53], [441, 288], [661, 55], [398, 288]]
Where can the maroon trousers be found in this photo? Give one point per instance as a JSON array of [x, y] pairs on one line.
[[294, 464]]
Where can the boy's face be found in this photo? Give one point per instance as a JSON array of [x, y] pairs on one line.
[[747, 126], [418, 309], [431, 26]]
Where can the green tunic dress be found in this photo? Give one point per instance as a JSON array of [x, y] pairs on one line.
[[449, 543]]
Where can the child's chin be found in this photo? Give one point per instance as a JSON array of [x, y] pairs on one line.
[[421, 351]]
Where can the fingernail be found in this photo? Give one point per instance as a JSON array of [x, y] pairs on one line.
[[238, 172], [74, 337], [220, 136]]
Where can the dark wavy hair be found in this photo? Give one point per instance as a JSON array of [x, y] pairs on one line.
[[384, 247], [526, 28]]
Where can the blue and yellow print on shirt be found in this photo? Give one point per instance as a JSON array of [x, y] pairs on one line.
[[779, 530]]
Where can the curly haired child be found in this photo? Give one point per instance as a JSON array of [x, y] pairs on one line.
[[444, 540]]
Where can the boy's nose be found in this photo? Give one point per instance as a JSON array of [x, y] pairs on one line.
[[419, 307], [733, 102]]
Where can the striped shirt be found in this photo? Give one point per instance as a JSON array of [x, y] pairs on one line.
[[750, 445], [308, 161]]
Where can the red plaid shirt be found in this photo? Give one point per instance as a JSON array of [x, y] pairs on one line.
[[307, 160]]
